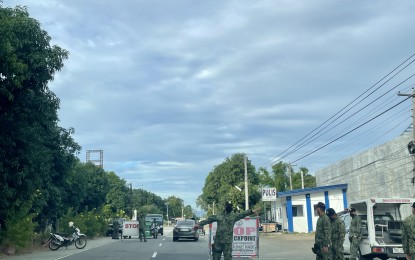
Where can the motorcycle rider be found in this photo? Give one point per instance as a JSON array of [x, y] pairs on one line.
[[154, 226]]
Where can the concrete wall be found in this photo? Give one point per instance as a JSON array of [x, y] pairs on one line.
[[383, 171]]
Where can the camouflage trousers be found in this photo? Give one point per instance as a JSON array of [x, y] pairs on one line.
[[141, 234], [354, 248], [218, 248], [323, 255], [337, 252]]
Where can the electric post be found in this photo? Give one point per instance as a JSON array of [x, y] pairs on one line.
[[246, 185], [411, 145]]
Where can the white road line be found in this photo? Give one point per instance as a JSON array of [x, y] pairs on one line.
[[154, 255]]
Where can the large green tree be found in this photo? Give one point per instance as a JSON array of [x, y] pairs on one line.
[[220, 184], [36, 154]]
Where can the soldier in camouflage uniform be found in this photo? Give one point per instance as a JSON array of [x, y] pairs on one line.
[[355, 234], [141, 228], [338, 231], [322, 236], [224, 231], [408, 235]]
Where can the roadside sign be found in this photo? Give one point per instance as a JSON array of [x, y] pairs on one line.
[[245, 238], [130, 229], [269, 194]]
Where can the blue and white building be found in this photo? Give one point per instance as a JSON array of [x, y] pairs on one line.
[[296, 207]]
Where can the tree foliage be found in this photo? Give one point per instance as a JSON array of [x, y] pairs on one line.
[[279, 177], [221, 181], [36, 153]]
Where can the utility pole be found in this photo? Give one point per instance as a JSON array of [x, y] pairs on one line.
[[246, 185], [302, 180], [290, 175], [413, 129], [168, 220]]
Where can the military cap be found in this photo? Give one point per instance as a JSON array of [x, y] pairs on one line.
[[330, 212], [320, 205], [352, 210]]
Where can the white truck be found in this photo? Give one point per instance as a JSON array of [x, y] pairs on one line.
[[381, 227]]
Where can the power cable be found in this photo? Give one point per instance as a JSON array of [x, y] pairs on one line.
[[271, 161], [354, 129]]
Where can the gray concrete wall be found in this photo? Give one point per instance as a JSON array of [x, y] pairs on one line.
[[383, 171]]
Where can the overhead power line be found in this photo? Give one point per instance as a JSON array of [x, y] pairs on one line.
[[354, 129], [271, 161]]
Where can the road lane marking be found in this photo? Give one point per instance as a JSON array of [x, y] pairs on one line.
[[160, 244], [154, 255]]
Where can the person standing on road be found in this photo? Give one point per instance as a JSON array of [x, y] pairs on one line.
[[141, 228], [355, 234], [408, 235], [338, 231], [322, 236], [115, 228], [224, 231]]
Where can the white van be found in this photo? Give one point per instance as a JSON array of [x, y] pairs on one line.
[[381, 227]]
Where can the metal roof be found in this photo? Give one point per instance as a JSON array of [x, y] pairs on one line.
[[310, 190]]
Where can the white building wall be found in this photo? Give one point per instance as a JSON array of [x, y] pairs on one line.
[[316, 198], [300, 222]]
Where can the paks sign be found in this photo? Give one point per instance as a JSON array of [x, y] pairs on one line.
[[269, 194], [245, 237]]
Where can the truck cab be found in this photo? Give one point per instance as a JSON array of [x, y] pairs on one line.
[[381, 227]]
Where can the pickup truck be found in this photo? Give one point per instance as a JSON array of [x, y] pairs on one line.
[[381, 227]]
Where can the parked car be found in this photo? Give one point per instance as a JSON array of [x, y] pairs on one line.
[[186, 229]]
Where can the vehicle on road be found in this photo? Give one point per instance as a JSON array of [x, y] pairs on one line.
[[185, 229], [159, 218], [58, 240], [154, 228], [381, 227], [110, 227]]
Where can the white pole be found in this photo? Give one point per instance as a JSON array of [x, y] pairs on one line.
[[246, 185], [302, 180]]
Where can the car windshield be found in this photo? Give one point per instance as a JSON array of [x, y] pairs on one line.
[[185, 222]]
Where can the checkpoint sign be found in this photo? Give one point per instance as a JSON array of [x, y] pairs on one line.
[[245, 237], [269, 194]]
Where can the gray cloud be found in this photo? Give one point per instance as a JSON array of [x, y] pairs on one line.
[[171, 88]]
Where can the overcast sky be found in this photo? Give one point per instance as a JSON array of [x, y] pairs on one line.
[[169, 89]]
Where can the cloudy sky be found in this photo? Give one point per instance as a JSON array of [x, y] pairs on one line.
[[169, 89]]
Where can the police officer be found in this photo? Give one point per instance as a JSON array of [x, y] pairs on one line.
[[355, 234], [408, 235], [115, 228], [338, 231], [322, 235], [224, 231], [141, 228]]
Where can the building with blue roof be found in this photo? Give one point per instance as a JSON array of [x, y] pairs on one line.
[[296, 207]]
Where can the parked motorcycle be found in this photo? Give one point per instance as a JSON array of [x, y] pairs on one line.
[[57, 240]]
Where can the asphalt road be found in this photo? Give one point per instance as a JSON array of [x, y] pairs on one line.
[[272, 246]]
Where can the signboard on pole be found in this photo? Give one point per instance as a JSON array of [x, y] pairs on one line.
[[245, 238], [269, 194]]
